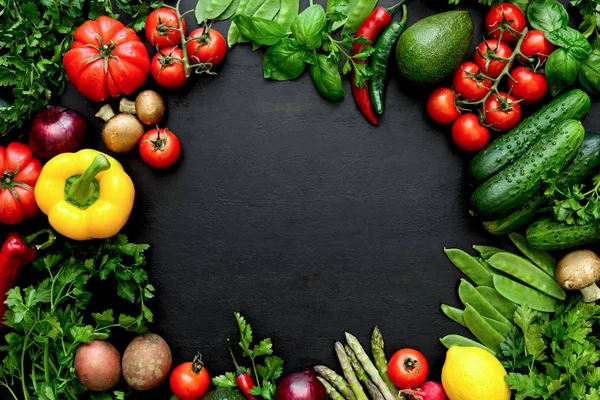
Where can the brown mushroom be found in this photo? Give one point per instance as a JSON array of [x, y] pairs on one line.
[[580, 270], [148, 106], [122, 132]]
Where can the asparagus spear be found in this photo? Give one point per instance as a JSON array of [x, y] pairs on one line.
[[369, 366], [362, 375], [349, 372], [380, 360], [374, 391], [333, 394], [337, 381]]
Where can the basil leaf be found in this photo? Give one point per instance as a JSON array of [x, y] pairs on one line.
[[589, 75], [547, 15], [326, 77], [561, 70], [285, 60], [259, 30], [572, 40], [309, 25]]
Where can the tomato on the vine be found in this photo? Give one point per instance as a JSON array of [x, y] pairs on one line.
[[503, 18], [160, 148], [162, 28], [168, 69], [190, 380], [502, 112], [530, 87], [536, 44], [492, 49], [207, 47], [469, 134], [408, 369], [441, 106], [469, 83]]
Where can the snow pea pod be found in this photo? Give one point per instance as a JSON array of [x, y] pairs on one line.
[[524, 295], [357, 16], [539, 257], [230, 11], [455, 314], [482, 330], [268, 10], [343, 6], [505, 306], [522, 269], [469, 266], [499, 327], [469, 295], [233, 35], [211, 9], [461, 341], [487, 251], [487, 266], [287, 13]]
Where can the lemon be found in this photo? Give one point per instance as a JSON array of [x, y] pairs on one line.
[[471, 373]]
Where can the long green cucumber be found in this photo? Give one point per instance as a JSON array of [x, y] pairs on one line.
[[548, 234], [511, 188], [583, 165], [508, 148]]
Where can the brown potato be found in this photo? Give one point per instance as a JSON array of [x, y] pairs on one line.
[[146, 362], [98, 365]]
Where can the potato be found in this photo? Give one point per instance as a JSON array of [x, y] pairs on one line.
[[146, 362], [98, 365]]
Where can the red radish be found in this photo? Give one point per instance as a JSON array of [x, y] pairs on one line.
[[428, 391]]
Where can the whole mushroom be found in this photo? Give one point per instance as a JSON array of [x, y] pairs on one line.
[[148, 106], [122, 132], [579, 270]]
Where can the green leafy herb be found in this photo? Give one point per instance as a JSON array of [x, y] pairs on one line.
[[521, 3], [285, 60], [326, 76], [561, 70], [259, 30], [547, 15], [309, 26], [576, 205], [571, 40]]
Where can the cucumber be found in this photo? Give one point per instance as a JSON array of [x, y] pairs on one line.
[[508, 148], [548, 234], [583, 165], [512, 187]]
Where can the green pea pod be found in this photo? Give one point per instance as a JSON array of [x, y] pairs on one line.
[[211, 9], [487, 251], [230, 11], [542, 259], [268, 10], [500, 303], [524, 295], [487, 266], [461, 341], [522, 269], [380, 60], [469, 295], [469, 266], [344, 6], [482, 330], [287, 13], [358, 15], [455, 314], [499, 327], [233, 35]]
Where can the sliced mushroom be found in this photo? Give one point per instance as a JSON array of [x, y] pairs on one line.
[[580, 270]]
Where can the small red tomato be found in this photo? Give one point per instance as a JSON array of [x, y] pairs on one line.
[[503, 20], [469, 134], [441, 106], [206, 47], [492, 49], [530, 87], [469, 82], [168, 69], [189, 381], [408, 369], [502, 112], [160, 148], [536, 44], [162, 28]]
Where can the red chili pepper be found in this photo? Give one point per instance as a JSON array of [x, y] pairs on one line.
[[16, 253], [370, 29], [242, 378]]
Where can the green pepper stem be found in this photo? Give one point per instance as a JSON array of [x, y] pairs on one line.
[[82, 190], [30, 238], [404, 15], [396, 6]]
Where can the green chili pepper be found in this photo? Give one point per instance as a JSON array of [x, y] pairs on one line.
[[380, 60]]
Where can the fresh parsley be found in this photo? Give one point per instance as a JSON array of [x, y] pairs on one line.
[[576, 205]]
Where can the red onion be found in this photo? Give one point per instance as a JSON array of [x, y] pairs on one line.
[[301, 386], [56, 130]]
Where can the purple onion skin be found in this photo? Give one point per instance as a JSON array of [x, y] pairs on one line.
[[56, 130], [301, 386]]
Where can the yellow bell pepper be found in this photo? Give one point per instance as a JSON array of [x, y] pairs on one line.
[[86, 195]]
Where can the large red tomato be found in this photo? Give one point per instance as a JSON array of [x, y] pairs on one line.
[[20, 172], [106, 59]]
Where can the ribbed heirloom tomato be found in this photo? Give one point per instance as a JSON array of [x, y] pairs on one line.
[[162, 28], [207, 47], [107, 59]]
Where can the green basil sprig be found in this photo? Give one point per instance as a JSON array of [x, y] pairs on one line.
[[547, 15]]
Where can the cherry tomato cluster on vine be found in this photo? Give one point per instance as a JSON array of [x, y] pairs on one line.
[[479, 85], [177, 54]]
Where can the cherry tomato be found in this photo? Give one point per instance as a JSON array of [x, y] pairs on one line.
[[536, 44], [161, 28], [469, 134], [501, 17], [160, 148], [167, 68], [491, 47], [502, 112], [408, 369], [189, 381], [531, 87], [441, 106], [207, 48], [467, 83]]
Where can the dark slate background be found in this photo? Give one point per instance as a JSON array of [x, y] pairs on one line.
[[296, 212]]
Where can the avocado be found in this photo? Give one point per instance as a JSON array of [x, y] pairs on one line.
[[223, 394], [433, 48]]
